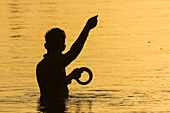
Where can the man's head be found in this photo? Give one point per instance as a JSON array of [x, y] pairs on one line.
[[55, 40]]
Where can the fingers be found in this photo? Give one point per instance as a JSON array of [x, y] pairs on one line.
[[93, 18], [96, 16], [75, 70], [76, 73]]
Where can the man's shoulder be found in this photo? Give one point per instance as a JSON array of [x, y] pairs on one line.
[[40, 63]]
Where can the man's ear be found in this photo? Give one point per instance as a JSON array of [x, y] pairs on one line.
[[45, 45]]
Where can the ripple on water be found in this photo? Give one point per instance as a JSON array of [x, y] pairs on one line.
[[105, 90]]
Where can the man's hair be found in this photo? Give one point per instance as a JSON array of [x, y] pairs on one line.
[[54, 38], [54, 34]]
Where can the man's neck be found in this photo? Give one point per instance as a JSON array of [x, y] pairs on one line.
[[53, 52]]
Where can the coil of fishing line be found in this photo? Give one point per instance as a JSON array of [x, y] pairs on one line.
[[90, 76]]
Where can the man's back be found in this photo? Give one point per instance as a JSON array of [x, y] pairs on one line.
[[51, 77]]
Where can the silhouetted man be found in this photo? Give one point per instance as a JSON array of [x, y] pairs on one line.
[[51, 75]]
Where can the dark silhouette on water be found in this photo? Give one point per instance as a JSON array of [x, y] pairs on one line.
[[78, 104], [50, 72]]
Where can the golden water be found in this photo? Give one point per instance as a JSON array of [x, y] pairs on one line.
[[131, 71]]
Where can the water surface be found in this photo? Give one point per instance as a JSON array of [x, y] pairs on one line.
[[128, 53]]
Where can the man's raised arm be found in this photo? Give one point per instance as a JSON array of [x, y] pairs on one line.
[[79, 43]]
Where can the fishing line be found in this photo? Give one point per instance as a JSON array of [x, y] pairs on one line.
[[133, 35]]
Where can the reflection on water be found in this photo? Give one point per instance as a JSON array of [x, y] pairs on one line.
[[72, 104], [130, 74], [79, 105]]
